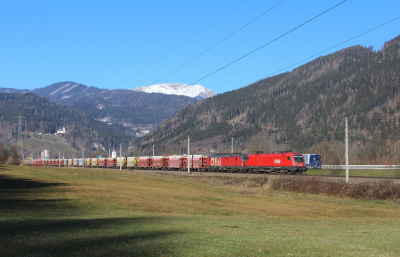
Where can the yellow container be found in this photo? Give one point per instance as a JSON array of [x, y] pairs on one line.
[[87, 162], [94, 162], [131, 162], [121, 161]]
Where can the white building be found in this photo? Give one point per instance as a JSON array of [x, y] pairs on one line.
[[142, 133], [45, 154], [61, 131]]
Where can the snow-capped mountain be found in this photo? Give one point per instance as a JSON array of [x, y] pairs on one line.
[[195, 91]]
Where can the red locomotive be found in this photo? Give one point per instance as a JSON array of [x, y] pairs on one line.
[[281, 162]]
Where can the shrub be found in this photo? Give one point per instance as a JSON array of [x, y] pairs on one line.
[[4, 154], [381, 190]]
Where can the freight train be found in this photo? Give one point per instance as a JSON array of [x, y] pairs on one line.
[[286, 162]]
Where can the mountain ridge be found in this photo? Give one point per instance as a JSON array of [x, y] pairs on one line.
[[139, 110], [301, 108]]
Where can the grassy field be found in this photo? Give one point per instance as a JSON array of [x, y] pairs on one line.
[[47, 211], [34, 145]]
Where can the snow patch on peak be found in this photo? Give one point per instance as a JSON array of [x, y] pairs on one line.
[[52, 93], [70, 88], [177, 89]]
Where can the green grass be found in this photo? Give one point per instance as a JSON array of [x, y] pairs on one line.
[[362, 173], [48, 211], [34, 145]]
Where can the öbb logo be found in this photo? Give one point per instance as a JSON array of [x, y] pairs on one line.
[[215, 161], [277, 161]]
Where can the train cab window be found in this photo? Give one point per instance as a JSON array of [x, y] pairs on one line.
[[289, 159], [298, 158]]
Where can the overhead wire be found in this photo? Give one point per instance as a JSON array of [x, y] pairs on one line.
[[162, 98], [370, 122], [257, 49], [219, 42], [329, 48], [183, 42], [261, 46]]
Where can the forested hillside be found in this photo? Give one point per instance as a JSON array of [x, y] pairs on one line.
[[43, 116], [299, 109], [136, 109]]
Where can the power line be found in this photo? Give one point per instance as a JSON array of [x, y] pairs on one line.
[[259, 47], [183, 42], [267, 43], [20, 131], [307, 57], [332, 47], [322, 51], [219, 42]]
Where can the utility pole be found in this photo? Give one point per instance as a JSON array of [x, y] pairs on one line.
[[347, 151], [59, 159], [83, 158], [232, 146], [20, 131], [153, 150], [120, 157], [188, 155]]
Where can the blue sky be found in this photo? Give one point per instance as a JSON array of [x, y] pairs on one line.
[[128, 44]]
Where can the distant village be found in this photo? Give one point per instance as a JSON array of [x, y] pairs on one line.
[[140, 133], [59, 131]]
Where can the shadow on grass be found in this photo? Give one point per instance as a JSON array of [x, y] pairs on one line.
[[17, 194], [33, 222], [87, 237], [10, 183]]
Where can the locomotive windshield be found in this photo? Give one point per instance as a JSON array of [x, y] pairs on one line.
[[298, 158], [317, 159]]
